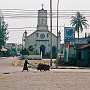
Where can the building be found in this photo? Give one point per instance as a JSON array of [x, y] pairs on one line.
[[40, 39], [84, 40], [83, 55], [77, 51], [10, 45]]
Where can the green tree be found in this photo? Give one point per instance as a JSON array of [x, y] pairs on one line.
[[79, 22], [13, 52], [3, 32]]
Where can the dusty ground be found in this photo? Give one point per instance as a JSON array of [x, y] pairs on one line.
[[62, 79]]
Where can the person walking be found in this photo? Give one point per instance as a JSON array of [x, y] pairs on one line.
[[25, 67]]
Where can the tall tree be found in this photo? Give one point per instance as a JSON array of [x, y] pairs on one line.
[[79, 22], [3, 32]]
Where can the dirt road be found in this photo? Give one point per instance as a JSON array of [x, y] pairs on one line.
[[63, 79]]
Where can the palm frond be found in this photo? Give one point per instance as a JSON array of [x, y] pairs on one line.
[[79, 22]]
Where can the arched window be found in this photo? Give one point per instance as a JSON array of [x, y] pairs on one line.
[[47, 35], [37, 34]]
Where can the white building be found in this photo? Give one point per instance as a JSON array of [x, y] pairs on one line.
[[40, 39]]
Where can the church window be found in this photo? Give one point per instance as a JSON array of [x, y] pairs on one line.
[[47, 35], [42, 36], [36, 34]]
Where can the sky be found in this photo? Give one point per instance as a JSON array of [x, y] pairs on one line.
[[15, 35]]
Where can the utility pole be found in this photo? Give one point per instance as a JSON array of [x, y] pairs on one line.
[[59, 35], [51, 32], [57, 26]]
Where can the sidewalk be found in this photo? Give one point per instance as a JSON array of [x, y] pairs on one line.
[[71, 67], [9, 69]]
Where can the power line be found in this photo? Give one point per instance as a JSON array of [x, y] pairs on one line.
[[35, 11], [21, 13], [35, 16], [29, 30], [47, 10], [28, 27]]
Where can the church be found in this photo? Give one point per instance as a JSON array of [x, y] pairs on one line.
[[40, 39]]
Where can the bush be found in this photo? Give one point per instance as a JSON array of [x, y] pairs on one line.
[[57, 61], [24, 52]]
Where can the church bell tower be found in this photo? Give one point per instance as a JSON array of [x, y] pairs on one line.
[[42, 19]]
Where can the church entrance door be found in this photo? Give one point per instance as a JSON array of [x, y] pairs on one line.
[[42, 49]]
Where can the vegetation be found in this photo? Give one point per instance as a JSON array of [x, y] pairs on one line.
[[57, 62], [79, 22], [13, 52], [3, 32], [24, 51], [30, 48]]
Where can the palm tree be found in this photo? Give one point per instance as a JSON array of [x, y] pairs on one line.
[[79, 22]]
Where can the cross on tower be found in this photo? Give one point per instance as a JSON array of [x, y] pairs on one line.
[[42, 6]]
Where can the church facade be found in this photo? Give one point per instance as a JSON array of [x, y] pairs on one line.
[[40, 39]]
